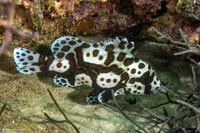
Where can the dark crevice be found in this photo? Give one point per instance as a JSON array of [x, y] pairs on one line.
[[162, 10]]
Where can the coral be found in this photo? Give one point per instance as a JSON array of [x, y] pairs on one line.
[[43, 16], [92, 17], [181, 5], [183, 14], [86, 14], [8, 23], [145, 8], [87, 17], [78, 17], [27, 4], [109, 16]]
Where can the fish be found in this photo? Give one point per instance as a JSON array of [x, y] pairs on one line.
[[105, 66]]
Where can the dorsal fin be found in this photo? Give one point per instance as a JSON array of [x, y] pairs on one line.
[[64, 45], [117, 45]]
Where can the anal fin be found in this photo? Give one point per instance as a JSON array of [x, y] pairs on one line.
[[61, 81]]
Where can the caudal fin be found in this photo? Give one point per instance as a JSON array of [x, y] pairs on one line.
[[26, 60]]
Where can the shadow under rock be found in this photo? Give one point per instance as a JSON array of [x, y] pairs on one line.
[[47, 78], [7, 64], [165, 63], [79, 94]]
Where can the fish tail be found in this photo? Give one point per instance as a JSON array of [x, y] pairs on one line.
[[29, 62]]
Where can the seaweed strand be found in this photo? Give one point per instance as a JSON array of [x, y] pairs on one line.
[[125, 115], [66, 118], [3, 108]]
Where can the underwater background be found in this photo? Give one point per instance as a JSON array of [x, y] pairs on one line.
[[166, 34]]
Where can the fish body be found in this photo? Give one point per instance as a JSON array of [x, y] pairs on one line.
[[104, 66]]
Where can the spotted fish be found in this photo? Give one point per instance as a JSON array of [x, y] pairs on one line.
[[104, 66]]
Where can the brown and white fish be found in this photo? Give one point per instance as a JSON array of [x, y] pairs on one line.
[[103, 66]]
